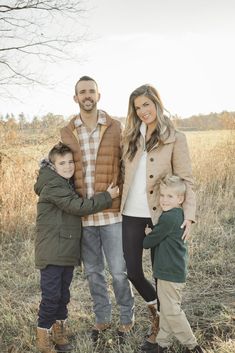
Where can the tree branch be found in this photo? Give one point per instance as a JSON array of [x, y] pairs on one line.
[[36, 28]]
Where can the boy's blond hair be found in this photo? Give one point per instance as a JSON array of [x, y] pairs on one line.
[[175, 182]]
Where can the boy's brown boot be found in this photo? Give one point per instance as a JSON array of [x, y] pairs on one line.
[[60, 337], [149, 343], [44, 340]]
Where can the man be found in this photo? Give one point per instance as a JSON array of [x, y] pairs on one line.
[[94, 137]]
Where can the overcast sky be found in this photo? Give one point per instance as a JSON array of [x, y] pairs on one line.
[[185, 48]]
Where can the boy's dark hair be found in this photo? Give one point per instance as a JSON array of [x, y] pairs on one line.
[[60, 149], [85, 78]]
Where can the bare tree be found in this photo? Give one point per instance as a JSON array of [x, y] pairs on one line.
[[32, 32]]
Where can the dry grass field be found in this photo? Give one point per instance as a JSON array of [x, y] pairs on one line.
[[209, 299]]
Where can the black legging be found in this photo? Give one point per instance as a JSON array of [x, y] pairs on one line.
[[132, 236]]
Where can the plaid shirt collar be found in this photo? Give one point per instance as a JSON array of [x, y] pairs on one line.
[[101, 119]]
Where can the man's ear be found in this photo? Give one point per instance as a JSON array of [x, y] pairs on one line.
[[75, 99]]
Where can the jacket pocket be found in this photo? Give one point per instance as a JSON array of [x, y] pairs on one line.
[[45, 247], [69, 243]]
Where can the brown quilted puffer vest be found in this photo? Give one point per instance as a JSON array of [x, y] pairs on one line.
[[108, 160]]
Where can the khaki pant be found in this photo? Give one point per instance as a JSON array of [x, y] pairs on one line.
[[173, 321]]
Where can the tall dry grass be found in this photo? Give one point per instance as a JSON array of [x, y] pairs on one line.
[[209, 298]]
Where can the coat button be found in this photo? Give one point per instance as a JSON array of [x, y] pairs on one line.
[[151, 176], [151, 159], [151, 192], [154, 208]]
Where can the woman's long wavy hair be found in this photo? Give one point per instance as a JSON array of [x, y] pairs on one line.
[[131, 132]]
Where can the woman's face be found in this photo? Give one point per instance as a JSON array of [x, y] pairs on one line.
[[145, 110]]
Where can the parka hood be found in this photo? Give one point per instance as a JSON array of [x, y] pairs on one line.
[[46, 174]]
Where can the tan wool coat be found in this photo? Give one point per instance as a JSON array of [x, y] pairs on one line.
[[171, 157], [108, 159]]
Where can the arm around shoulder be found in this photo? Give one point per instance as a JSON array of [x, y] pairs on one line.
[[70, 202]]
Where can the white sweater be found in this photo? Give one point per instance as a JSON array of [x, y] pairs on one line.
[[136, 203]]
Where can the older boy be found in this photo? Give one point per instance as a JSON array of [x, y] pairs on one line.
[[57, 245], [170, 268]]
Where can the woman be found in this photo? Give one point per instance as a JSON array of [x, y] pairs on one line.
[[152, 148]]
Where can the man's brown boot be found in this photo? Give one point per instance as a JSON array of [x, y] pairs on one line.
[[44, 340], [97, 330], [60, 337], [150, 341], [124, 331]]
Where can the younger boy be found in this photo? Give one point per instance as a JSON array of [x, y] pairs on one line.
[[57, 245], [170, 268]]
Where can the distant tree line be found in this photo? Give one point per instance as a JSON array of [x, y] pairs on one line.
[[212, 121], [18, 130], [9, 121]]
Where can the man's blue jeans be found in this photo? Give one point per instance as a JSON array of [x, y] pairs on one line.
[[100, 243]]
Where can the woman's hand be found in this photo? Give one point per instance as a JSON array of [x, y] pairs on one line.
[[187, 226]]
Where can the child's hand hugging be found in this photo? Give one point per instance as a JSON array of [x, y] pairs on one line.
[[147, 230]]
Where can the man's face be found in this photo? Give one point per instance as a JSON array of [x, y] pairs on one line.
[[87, 95]]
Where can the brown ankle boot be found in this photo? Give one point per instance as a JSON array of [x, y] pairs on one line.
[[150, 341], [44, 340], [60, 337], [124, 331], [97, 330], [154, 318]]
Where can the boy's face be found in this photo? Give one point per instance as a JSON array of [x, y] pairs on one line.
[[169, 198], [64, 165]]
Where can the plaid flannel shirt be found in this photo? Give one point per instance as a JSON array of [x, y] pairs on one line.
[[89, 143]]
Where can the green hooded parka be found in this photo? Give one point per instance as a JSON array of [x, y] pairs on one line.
[[58, 223]]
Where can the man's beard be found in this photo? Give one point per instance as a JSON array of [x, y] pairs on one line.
[[89, 108]]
